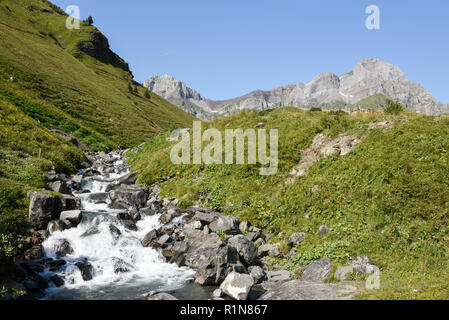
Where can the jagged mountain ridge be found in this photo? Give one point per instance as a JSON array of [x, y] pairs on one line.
[[368, 78]]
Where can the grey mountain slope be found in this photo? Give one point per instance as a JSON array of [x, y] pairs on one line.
[[368, 78]]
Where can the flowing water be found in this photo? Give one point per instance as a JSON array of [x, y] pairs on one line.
[[122, 267]]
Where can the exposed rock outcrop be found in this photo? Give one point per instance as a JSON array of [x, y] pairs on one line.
[[370, 77]]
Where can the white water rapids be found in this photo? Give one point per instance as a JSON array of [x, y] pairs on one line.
[[122, 267]]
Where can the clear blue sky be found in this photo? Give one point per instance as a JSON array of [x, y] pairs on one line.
[[226, 49]]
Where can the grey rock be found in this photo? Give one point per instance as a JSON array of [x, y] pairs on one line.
[[63, 248], [206, 217], [363, 265], [279, 276], [129, 196], [169, 216], [55, 226], [301, 290], [324, 230], [160, 297], [270, 250], [43, 209], [244, 226], [194, 225], [237, 286], [317, 271], [342, 272], [60, 187], [226, 224], [210, 256], [246, 249], [296, 238], [72, 218], [218, 293], [150, 239], [86, 269], [257, 273]]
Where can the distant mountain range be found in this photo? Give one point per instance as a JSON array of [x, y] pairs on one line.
[[370, 77]]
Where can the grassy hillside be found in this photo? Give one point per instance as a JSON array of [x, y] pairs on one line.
[[55, 78], [387, 199], [68, 80]]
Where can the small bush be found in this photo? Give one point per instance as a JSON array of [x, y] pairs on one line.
[[393, 107]]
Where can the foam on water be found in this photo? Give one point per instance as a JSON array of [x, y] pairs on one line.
[[122, 267]]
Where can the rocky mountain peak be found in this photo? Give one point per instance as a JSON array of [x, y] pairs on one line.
[[369, 77], [171, 88]]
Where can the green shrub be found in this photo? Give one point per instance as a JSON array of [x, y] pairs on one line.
[[393, 107]]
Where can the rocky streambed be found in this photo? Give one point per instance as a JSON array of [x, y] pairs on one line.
[[106, 237]]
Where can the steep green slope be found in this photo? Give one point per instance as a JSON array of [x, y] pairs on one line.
[[69, 79], [387, 199], [55, 78]]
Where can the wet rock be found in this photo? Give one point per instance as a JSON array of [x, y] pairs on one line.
[[56, 265], [71, 218], [154, 204], [115, 232], [226, 224], [43, 209], [134, 214], [178, 253], [129, 196], [130, 225], [90, 232], [35, 283], [57, 280], [160, 297], [317, 271], [91, 172], [169, 216], [246, 249], [217, 293], [129, 179], [163, 240], [120, 266], [56, 226], [97, 197], [147, 212], [86, 269], [150, 239], [76, 182], [279, 276], [237, 285], [301, 290], [70, 203], [63, 248]]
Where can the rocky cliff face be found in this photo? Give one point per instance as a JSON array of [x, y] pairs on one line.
[[368, 78]]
